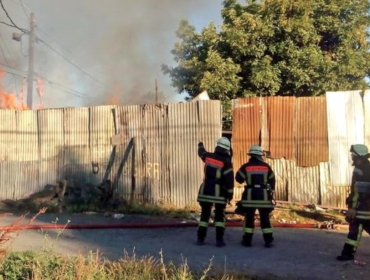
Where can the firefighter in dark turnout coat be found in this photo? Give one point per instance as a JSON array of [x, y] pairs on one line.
[[358, 201], [217, 188], [258, 194]]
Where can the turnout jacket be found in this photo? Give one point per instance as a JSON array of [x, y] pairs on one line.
[[359, 198], [218, 183], [260, 184]]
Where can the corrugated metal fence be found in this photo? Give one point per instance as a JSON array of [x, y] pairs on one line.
[[296, 133], [156, 143], [150, 151]]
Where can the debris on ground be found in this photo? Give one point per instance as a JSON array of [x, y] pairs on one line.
[[70, 196]]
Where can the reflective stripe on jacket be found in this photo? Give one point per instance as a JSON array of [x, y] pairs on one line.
[[218, 183]]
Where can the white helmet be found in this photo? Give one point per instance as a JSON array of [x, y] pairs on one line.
[[224, 143], [255, 150], [359, 150]]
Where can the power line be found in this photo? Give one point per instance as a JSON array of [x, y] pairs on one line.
[[51, 83], [14, 25], [2, 51], [69, 61], [24, 9]]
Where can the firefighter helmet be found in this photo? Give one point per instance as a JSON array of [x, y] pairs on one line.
[[255, 150], [359, 150], [224, 143]]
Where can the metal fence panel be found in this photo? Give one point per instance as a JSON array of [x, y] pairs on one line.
[[188, 124], [366, 100], [77, 161], [345, 127], [27, 178], [246, 131], [51, 145], [331, 195], [8, 135], [312, 131], [280, 116], [101, 131]]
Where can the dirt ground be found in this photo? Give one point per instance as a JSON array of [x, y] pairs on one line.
[[305, 254]]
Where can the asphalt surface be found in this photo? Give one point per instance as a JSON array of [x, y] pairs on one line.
[[305, 254]]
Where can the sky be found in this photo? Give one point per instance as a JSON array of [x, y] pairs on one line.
[[117, 47]]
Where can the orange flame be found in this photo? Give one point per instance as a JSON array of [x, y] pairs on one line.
[[114, 98], [9, 100]]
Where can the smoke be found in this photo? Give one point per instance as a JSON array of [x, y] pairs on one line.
[[121, 43]]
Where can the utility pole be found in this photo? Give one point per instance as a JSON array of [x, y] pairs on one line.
[[31, 62], [156, 92]]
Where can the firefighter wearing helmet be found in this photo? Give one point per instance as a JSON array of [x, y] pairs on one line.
[[358, 201], [258, 194], [217, 188]]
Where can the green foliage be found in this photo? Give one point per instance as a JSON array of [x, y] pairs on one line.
[[29, 265], [275, 47]]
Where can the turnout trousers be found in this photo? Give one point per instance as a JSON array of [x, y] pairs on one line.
[[219, 220], [356, 227], [266, 227]]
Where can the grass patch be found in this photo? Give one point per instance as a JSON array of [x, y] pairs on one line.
[[42, 266]]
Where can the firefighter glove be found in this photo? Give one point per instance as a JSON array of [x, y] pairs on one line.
[[351, 214]]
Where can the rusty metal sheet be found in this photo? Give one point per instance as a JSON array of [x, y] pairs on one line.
[[51, 145], [246, 129], [280, 117], [311, 131]]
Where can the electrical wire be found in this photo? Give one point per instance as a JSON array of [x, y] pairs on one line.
[[2, 51], [24, 8], [70, 62], [53, 84], [14, 25]]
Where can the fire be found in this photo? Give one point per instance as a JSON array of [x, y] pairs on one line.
[[114, 98], [9, 100]]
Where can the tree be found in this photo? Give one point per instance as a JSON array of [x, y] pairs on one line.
[[275, 47]]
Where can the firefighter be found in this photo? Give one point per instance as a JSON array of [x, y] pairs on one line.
[[216, 189], [257, 194], [358, 201]]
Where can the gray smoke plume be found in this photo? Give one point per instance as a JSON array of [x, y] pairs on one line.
[[121, 43]]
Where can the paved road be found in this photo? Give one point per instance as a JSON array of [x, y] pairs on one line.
[[305, 254]]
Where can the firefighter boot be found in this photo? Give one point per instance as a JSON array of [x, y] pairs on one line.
[[202, 233], [268, 240], [247, 239], [220, 237], [348, 253]]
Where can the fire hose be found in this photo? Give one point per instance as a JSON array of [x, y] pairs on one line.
[[141, 226]]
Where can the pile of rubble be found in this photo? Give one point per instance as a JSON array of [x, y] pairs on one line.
[[71, 196]]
